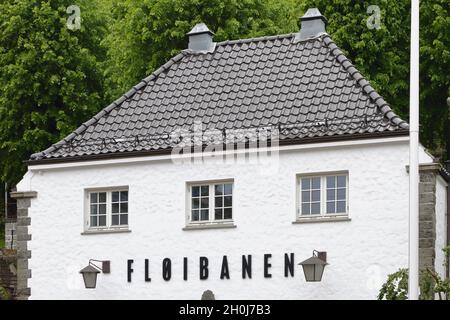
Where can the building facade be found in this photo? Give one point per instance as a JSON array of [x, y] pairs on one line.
[[222, 171]]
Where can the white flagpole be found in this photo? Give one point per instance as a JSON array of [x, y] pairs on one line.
[[413, 282]]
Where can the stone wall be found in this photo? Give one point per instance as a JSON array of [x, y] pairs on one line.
[[8, 272], [10, 234], [427, 217], [23, 254]]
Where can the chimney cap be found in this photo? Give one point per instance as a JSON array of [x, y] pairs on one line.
[[200, 28], [313, 13]]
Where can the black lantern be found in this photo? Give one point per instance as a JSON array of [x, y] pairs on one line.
[[91, 271], [314, 266]]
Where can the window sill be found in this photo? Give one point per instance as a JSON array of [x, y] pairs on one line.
[[207, 226], [321, 219], [106, 231]]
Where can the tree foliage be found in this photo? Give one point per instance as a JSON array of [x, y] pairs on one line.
[[50, 80]]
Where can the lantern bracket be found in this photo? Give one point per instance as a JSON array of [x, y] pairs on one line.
[[106, 265], [322, 255]]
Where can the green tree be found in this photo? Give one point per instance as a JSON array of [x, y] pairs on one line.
[[144, 34], [50, 80]]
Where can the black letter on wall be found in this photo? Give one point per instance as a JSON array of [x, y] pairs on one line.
[[247, 266], [130, 270], [203, 268], [225, 271], [267, 265], [288, 265], [167, 269], [147, 278]]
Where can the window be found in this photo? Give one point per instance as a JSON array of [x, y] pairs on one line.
[[107, 209], [323, 195], [210, 202]]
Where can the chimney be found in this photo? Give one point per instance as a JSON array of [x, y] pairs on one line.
[[312, 25], [200, 39]]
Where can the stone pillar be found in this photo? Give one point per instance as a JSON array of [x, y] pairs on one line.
[[427, 216], [23, 254]]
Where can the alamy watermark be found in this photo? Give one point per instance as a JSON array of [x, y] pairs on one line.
[[374, 21], [74, 20], [257, 146]]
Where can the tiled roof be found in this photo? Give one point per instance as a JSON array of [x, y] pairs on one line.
[[307, 89]]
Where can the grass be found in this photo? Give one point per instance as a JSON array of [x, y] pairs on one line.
[[2, 242]]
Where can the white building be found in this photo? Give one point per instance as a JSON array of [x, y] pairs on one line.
[[331, 175]]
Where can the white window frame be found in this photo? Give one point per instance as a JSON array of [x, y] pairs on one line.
[[109, 226], [211, 215], [323, 195]]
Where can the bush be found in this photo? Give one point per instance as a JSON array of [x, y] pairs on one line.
[[396, 285]]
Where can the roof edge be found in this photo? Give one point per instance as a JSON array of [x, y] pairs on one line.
[[109, 108], [365, 85], [295, 141]]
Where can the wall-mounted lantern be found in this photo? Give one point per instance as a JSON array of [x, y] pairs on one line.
[[314, 266], [91, 271]]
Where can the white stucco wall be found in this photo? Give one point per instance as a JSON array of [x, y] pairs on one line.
[[441, 225], [361, 252]]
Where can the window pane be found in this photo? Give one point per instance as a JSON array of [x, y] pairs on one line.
[[123, 219], [93, 221], [228, 188], [102, 197], [306, 196], [102, 221], [204, 214], [331, 182], [227, 201], [315, 195], [306, 208], [93, 197], [102, 208], [115, 208], [204, 202], [195, 191], [115, 219], [94, 209], [306, 183], [205, 190], [331, 194], [194, 215], [124, 196], [218, 189], [331, 208], [341, 181], [341, 194], [218, 202], [195, 203], [340, 208], [315, 183], [218, 214], [124, 207], [115, 196], [227, 213], [315, 208]]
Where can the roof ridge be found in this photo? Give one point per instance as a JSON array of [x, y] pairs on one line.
[[382, 105], [109, 108], [255, 39]]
